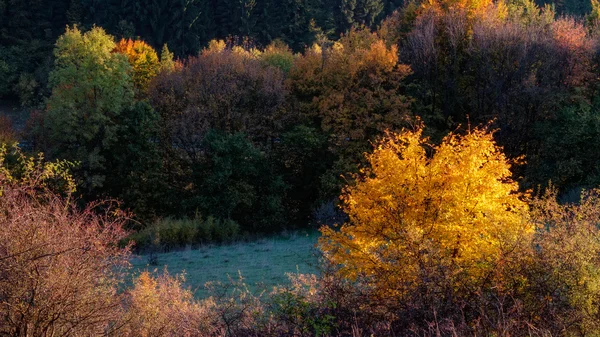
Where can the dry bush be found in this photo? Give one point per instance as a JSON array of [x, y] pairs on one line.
[[563, 292], [59, 266], [162, 307]]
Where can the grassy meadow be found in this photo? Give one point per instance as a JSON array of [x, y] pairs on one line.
[[262, 263]]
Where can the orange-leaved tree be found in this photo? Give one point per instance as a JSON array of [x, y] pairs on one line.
[[143, 60], [440, 218], [352, 90]]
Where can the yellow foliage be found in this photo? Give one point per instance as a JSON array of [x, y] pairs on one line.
[[143, 60], [456, 211], [162, 307], [34, 173], [215, 46], [472, 7], [220, 46], [379, 54]]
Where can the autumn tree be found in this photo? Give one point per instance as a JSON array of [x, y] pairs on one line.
[[352, 91], [220, 112], [516, 63], [93, 117], [143, 60], [223, 88], [435, 220], [91, 86]]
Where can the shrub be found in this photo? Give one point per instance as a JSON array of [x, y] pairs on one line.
[[419, 222], [563, 270], [170, 233], [59, 266], [520, 271], [162, 307]]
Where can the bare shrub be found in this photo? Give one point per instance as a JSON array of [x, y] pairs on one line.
[[59, 267]]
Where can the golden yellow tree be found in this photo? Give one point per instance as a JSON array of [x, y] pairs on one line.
[[143, 59], [421, 212]]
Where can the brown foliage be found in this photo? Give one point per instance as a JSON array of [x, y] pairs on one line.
[[504, 63], [223, 89], [59, 267], [352, 90]]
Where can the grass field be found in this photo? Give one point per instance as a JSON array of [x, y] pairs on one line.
[[261, 263]]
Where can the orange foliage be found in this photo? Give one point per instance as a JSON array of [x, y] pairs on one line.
[[578, 49], [413, 216], [143, 59], [352, 88]]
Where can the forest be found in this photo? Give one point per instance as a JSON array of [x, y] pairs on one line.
[[447, 151]]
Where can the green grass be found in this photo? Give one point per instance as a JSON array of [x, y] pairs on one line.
[[263, 263]]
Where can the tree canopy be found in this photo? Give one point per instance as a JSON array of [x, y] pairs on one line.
[[419, 208]]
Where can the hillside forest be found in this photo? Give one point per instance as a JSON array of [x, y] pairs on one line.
[[446, 150]]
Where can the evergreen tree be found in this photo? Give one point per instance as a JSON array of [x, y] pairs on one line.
[[368, 11]]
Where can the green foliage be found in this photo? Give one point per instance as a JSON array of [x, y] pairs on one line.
[[28, 30], [302, 158], [236, 181], [91, 86], [35, 174], [221, 114], [5, 73], [134, 168], [93, 119], [567, 154], [278, 55], [170, 233], [307, 317]]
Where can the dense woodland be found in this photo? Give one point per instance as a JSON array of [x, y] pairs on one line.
[[447, 150], [281, 115]]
